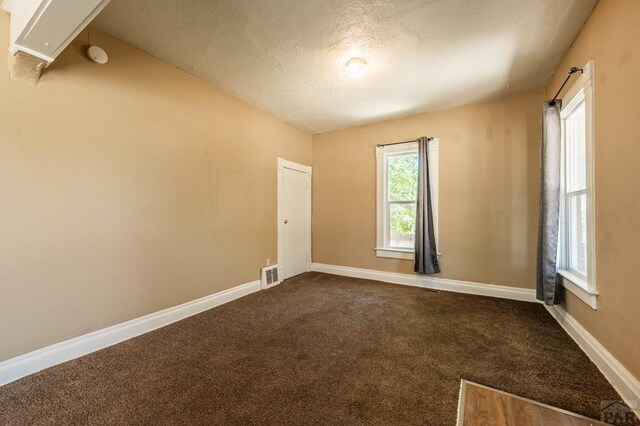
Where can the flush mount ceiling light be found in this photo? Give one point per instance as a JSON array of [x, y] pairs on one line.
[[356, 68]]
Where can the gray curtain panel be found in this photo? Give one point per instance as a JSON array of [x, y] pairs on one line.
[[426, 253], [548, 282]]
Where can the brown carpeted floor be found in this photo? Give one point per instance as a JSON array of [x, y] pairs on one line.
[[318, 349]]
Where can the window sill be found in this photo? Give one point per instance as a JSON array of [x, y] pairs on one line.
[[578, 286], [395, 253]]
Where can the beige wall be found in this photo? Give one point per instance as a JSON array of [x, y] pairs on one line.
[[611, 38], [125, 189], [488, 191]]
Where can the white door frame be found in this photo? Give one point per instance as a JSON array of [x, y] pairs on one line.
[[282, 165]]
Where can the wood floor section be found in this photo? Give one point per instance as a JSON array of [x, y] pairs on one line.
[[481, 405]]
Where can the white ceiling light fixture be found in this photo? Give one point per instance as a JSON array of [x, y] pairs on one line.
[[356, 68]]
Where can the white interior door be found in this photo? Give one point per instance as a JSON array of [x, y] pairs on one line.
[[295, 216]]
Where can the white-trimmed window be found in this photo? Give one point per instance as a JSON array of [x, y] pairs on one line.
[[577, 198], [397, 195]]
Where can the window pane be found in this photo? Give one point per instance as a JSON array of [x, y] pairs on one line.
[[577, 215], [402, 223], [402, 173], [575, 137]]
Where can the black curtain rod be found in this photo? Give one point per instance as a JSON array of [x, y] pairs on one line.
[[572, 71], [400, 143]]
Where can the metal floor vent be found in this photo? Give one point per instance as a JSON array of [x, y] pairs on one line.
[[270, 276]]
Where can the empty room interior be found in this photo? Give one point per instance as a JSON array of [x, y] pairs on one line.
[[297, 212]]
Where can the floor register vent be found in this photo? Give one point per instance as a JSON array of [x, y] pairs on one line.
[[270, 276]]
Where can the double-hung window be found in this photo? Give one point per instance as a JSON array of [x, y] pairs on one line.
[[577, 226], [397, 195]]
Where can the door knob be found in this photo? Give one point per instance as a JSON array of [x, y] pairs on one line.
[[286, 221]]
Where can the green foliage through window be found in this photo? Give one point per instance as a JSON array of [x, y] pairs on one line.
[[402, 217], [402, 175]]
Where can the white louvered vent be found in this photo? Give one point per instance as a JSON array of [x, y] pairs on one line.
[[270, 276]]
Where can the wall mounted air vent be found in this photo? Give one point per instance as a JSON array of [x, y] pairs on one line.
[[43, 28], [270, 276]]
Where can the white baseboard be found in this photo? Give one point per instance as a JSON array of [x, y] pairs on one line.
[[468, 287], [620, 378], [32, 362]]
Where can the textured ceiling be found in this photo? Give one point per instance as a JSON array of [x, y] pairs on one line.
[[287, 56]]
